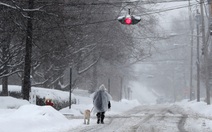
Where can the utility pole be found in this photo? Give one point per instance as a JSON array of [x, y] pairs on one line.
[[205, 53], [198, 61], [121, 88], [70, 85], [109, 85], [191, 58], [210, 32]]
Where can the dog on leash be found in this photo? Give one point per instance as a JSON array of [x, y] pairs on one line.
[[87, 115]]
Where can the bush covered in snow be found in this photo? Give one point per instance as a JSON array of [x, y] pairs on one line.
[[41, 94]]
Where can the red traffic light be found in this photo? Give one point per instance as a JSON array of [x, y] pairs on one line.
[[128, 20]]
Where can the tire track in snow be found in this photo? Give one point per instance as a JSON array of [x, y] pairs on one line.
[[136, 127], [145, 119]]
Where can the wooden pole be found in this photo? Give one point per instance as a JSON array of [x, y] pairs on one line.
[[191, 56], [205, 53], [198, 59], [70, 88]]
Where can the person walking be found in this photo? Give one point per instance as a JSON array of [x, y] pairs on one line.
[[101, 101]]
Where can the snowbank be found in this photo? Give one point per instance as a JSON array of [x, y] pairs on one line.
[[200, 108], [8, 102], [32, 118]]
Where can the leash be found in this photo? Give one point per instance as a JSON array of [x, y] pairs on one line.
[[92, 109]]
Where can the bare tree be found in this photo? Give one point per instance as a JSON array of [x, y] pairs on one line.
[[83, 33], [11, 45]]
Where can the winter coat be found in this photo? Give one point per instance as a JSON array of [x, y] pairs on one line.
[[49, 102], [101, 100]]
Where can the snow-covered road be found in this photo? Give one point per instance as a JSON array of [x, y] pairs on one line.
[[150, 118]]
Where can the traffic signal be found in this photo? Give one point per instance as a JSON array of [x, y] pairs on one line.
[[129, 19]]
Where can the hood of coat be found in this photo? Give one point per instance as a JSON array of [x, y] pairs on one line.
[[102, 87]]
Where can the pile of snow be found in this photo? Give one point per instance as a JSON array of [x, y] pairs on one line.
[[11, 103], [32, 118], [197, 108]]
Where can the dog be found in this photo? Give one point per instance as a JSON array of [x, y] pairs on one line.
[[87, 115]]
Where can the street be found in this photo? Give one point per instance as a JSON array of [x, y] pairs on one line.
[[150, 118]]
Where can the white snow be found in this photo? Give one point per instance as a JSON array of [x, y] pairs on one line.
[[18, 115], [26, 117]]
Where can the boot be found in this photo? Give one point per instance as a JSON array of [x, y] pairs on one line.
[[98, 118], [102, 119]]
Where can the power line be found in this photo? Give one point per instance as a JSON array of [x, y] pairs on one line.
[[169, 9], [49, 3], [156, 12], [115, 19], [109, 3], [82, 3]]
